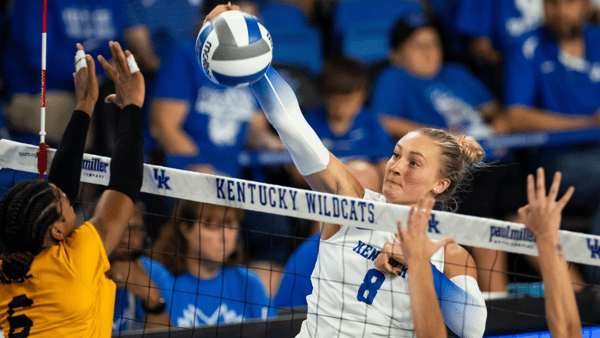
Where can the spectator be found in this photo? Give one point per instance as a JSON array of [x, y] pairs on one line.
[[552, 82], [496, 26], [200, 125], [348, 129], [295, 284], [69, 21], [493, 28], [197, 250], [420, 90], [135, 290]]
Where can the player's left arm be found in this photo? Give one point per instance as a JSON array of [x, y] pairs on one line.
[[116, 205], [461, 300]]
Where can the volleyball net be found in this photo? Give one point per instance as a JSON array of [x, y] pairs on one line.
[[237, 308]]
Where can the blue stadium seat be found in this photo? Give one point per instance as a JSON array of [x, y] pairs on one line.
[[301, 47], [362, 27], [277, 14]]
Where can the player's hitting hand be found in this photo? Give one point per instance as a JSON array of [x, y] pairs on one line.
[[129, 82], [542, 214], [412, 244], [220, 9], [86, 83]]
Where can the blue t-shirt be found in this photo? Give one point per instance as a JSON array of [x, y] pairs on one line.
[[129, 314], [538, 75], [218, 117], [449, 100], [502, 21], [295, 284], [235, 295], [90, 22], [167, 20], [365, 139]]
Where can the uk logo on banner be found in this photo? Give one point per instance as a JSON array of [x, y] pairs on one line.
[[162, 179], [433, 223], [594, 248]]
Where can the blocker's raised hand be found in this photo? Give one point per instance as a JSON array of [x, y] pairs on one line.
[[414, 242], [542, 214], [86, 83], [129, 82]]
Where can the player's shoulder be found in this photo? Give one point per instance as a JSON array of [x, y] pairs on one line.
[[374, 196], [457, 259]]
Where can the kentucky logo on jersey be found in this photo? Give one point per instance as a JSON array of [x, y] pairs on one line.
[[595, 249], [162, 179]]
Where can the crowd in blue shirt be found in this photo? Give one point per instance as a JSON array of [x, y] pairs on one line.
[[480, 67]]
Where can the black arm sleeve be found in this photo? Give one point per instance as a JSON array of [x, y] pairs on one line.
[[127, 164], [65, 171]]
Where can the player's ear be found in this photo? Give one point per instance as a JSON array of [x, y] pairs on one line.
[[57, 231]]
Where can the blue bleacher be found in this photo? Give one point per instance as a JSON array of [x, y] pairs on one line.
[[362, 27], [301, 47], [279, 14]]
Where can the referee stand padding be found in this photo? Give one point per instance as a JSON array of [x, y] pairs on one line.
[[505, 316]]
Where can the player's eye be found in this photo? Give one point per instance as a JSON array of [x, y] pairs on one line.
[[396, 155]]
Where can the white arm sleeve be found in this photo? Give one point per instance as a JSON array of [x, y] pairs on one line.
[[462, 304], [281, 108], [465, 312]]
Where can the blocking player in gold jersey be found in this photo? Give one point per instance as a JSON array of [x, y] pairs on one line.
[[52, 274]]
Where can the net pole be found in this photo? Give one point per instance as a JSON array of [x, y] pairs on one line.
[[42, 152]]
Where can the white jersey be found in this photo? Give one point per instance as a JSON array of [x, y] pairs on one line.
[[350, 297]]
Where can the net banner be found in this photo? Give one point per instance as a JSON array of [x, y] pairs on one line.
[[285, 201]]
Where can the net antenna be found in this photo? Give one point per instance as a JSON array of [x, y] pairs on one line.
[[42, 154]]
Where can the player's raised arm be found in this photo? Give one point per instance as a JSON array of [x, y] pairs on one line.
[[542, 215], [116, 205], [417, 250], [65, 171], [321, 169]]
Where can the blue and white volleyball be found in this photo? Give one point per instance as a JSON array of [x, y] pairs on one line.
[[234, 49]]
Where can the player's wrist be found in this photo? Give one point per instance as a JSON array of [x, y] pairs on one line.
[[86, 107]]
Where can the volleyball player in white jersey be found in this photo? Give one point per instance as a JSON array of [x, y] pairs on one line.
[[351, 298]]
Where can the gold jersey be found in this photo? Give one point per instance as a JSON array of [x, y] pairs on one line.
[[65, 293]]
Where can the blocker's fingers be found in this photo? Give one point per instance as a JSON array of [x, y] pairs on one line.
[[565, 199], [554, 187], [119, 58], [541, 184], [133, 67], [91, 68], [108, 68], [112, 98], [80, 61], [530, 189], [443, 242]]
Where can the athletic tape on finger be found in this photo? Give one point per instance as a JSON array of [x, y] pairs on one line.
[[133, 67], [80, 60]]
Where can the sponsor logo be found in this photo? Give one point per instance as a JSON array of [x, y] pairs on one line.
[[162, 179], [22, 154], [512, 237], [595, 248], [94, 168], [205, 51]]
